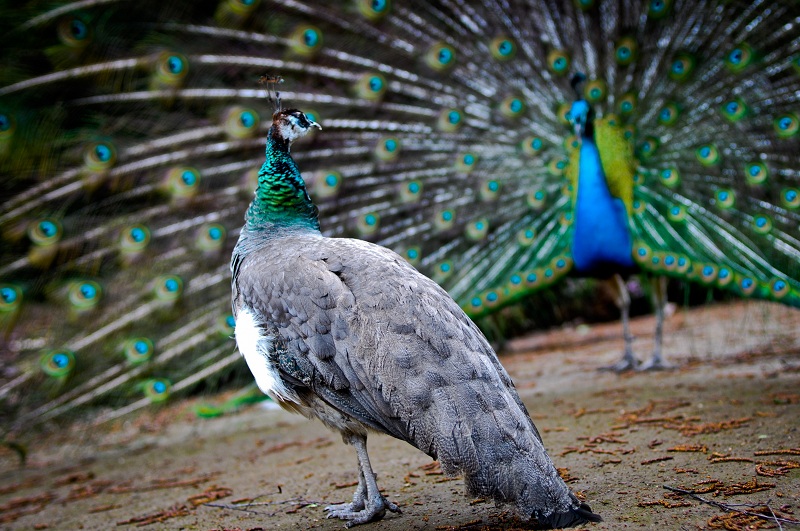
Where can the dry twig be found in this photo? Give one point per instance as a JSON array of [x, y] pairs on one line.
[[731, 507]]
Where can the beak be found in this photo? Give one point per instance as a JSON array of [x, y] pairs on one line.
[[312, 123]]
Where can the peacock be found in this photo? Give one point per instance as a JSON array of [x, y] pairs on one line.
[[131, 134], [348, 332]]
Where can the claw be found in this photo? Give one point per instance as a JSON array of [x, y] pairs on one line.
[[356, 514], [343, 508], [368, 503]]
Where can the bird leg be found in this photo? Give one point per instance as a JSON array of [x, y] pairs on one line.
[[358, 499], [368, 503], [656, 362], [623, 300]]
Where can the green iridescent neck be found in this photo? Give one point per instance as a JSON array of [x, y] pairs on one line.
[[281, 199]]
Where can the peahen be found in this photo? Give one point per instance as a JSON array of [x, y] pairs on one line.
[[129, 132], [348, 332]]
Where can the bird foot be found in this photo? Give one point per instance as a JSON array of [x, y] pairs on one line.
[[628, 363], [344, 508], [656, 364], [361, 512]]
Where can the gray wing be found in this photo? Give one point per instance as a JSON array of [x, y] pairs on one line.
[[376, 339]]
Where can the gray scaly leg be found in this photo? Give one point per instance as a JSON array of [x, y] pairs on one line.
[[623, 300], [368, 503], [358, 499], [656, 362]]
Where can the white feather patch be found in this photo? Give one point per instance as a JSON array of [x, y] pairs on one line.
[[255, 346]]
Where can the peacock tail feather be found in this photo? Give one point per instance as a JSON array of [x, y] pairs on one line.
[[131, 134]]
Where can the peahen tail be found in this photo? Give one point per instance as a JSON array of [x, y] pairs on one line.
[[130, 134], [475, 424]]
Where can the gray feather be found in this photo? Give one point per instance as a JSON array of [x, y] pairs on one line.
[[392, 351]]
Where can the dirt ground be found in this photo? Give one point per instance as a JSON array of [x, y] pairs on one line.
[[724, 423]]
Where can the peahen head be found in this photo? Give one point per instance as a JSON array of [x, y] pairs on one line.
[[290, 124], [281, 198]]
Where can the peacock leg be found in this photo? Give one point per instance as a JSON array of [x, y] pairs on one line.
[[368, 503], [623, 300], [656, 362]]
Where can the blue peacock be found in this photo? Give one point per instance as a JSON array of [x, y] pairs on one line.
[[129, 134]]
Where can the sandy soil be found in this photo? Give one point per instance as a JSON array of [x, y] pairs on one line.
[[619, 438]]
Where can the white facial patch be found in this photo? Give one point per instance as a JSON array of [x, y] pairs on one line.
[[255, 346], [294, 130]]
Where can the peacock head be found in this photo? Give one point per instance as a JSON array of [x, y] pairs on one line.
[[291, 124], [581, 116]]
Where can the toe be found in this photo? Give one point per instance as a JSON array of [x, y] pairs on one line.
[[372, 512]]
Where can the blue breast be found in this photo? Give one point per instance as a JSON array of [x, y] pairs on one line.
[[601, 240]]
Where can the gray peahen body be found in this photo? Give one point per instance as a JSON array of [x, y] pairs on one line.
[[348, 332], [129, 132]]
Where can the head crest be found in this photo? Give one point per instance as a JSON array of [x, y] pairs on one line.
[[272, 94]]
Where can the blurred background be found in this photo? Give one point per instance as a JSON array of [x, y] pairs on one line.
[[131, 134]]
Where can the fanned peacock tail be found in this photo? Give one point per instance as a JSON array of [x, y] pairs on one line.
[[131, 134]]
